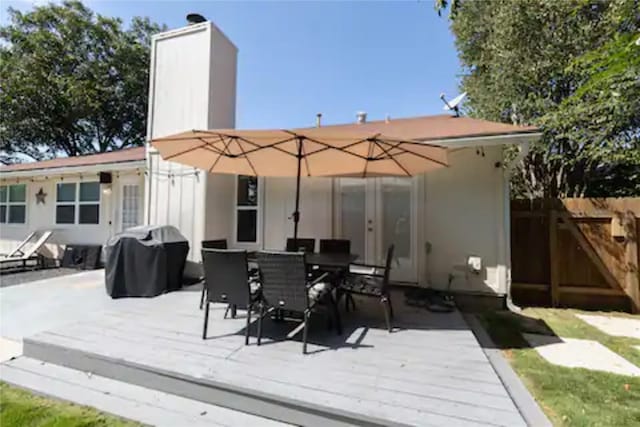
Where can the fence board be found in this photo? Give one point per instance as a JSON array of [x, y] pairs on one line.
[[589, 266]]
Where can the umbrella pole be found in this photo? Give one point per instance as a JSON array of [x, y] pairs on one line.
[[296, 214]]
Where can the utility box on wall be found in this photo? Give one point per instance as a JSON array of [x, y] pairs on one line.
[[192, 86]]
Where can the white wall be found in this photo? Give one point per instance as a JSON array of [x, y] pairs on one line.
[[316, 210], [220, 202], [192, 86], [42, 216], [464, 215]]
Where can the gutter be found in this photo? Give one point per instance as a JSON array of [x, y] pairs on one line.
[[68, 170], [486, 141]]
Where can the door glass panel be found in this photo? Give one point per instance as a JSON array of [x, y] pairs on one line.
[[396, 218], [130, 205], [353, 215]]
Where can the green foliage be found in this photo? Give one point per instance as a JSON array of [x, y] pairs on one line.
[[71, 82], [571, 67], [20, 408], [569, 396]]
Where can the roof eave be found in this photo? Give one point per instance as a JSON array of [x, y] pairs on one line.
[[486, 140], [74, 170]]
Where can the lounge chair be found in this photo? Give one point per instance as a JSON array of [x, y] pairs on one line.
[[26, 251]]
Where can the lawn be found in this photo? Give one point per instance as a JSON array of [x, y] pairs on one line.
[[569, 396], [21, 408]]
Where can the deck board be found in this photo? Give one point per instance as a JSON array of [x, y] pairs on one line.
[[429, 371]]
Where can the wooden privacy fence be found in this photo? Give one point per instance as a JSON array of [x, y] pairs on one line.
[[576, 253]]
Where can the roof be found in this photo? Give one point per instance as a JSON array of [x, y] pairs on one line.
[[120, 156], [426, 128]]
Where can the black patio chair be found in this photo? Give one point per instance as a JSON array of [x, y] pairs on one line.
[[211, 244], [374, 283], [227, 280], [286, 287], [335, 246], [300, 244]]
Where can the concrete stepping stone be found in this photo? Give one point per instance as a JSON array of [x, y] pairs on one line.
[[615, 326], [577, 353]]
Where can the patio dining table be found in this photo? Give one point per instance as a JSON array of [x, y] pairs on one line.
[[326, 260]]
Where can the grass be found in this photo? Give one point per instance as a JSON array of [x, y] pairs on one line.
[[569, 396], [21, 408]]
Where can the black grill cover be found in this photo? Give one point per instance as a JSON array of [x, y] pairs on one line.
[[145, 261]]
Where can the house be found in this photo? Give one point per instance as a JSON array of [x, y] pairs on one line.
[[450, 226], [84, 199]]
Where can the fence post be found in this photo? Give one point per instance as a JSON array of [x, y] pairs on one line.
[[553, 255], [632, 274]]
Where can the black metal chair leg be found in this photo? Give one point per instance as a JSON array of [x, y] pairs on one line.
[[234, 311], [353, 301], [304, 333], [385, 306], [336, 314], [226, 312], [204, 291], [390, 306], [260, 316], [246, 332], [206, 321]]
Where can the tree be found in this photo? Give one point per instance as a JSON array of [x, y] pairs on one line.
[[71, 82], [571, 67]]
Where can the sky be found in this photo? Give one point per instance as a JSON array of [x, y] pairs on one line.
[[297, 59]]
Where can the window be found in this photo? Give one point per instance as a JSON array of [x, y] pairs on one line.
[[247, 209], [13, 204], [130, 205], [78, 203]]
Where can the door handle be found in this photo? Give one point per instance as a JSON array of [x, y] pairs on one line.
[[369, 229]]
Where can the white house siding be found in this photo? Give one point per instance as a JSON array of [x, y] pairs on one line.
[[464, 216], [316, 210], [193, 78], [43, 216]]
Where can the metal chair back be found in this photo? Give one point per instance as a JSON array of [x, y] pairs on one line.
[[226, 276], [335, 246], [300, 245], [284, 277], [214, 244]]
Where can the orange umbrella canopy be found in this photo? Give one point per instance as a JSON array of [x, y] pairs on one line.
[[307, 152]]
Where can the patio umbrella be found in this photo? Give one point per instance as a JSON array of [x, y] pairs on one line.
[[328, 152]]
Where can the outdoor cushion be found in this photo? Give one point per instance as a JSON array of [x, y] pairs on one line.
[[317, 291], [254, 286], [363, 284]]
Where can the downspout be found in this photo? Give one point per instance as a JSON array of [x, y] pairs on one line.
[[524, 150]]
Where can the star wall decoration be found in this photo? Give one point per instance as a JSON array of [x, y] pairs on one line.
[[40, 196]]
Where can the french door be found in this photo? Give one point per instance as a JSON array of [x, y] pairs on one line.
[[130, 205], [375, 213]]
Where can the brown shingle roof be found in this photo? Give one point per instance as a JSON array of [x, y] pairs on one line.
[[444, 126], [124, 155]]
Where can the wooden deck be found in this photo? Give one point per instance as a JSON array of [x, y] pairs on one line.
[[429, 371]]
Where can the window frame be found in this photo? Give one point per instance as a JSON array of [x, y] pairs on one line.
[[8, 203], [257, 208], [76, 203]]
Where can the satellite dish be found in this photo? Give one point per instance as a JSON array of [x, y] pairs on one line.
[[453, 105]]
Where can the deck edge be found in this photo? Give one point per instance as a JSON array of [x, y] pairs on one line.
[[524, 401], [241, 399]]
